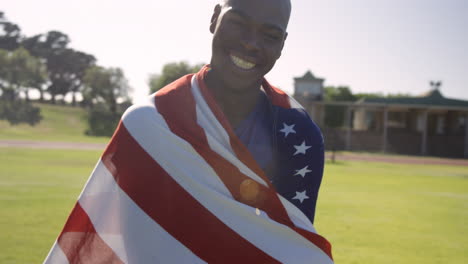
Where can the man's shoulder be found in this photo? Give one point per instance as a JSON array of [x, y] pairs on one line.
[[173, 93], [140, 111], [175, 87]]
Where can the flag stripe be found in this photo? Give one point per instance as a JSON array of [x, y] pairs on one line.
[[80, 242], [176, 185], [276, 96], [242, 153], [132, 234], [277, 240], [56, 255], [172, 207], [296, 215], [279, 98], [218, 138], [186, 127], [317, 240]]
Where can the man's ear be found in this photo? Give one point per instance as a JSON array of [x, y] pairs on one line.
[[214, 18]]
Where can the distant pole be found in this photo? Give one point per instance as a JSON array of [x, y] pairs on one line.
[[348, 127], [385, 130], [424, 134], [466, 135], [322, 115]]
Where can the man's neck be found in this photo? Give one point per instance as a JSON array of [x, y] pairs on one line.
[[235, 102]]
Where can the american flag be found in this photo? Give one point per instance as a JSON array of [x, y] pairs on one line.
[[175, 185]]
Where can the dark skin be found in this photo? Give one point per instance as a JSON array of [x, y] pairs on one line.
[[248, 37]]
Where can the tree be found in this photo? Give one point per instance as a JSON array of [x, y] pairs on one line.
[[171, 72], [52, 48], [19, 111], [335, 114], [360, 96], [105, 85], [104, 88], [19, 70], [10, 34], [78, 62], [340, 93]]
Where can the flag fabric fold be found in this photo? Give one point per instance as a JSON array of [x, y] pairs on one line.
[[175, 185]]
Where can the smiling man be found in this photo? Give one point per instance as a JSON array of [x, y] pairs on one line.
[[217, 167], [248, 38]]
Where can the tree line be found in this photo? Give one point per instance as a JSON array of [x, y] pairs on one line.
[[45, 63], [335, 114]]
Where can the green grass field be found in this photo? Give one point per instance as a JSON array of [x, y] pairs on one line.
[[394, 213], [371, 212], [59, 123], [38, 189]]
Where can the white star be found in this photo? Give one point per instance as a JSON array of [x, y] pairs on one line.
[[301, 196], [288, 129], [301, 149], [303, 171]]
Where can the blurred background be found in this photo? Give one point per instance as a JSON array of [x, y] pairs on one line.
[[387, 81]]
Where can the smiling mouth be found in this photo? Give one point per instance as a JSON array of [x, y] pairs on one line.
[[243, 64]]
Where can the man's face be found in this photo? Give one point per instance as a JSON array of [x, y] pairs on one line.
[[248, 36]]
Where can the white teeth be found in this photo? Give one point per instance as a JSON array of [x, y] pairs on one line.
[[242, 63]]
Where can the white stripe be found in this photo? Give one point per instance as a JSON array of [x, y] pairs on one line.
[[297, 216], [56, 255], [217, 137], [146, 124], [193, 174], [220, 144], [125, 228], [207, 118]]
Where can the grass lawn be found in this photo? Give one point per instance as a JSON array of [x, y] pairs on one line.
[[59, 123], [371, 212], [394, 213], [38, 189]]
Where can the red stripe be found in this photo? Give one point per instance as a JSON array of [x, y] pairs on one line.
[[272, 204], [242, 153], [182, 122], [317, 240], [276, 96], [172, 207], [80, 242]]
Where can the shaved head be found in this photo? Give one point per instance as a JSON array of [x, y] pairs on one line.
[[248, 37], [284, 5]]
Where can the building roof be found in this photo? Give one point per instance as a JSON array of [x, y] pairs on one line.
[[308, 76], [432, 98]]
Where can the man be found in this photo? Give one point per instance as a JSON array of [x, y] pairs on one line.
[[246, 45], [217, 167]]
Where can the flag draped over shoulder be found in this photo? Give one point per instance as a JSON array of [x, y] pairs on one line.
[[175, 185]]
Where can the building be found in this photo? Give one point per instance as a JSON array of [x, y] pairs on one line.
[[308, 91], [308, 86], [427, 125], [430, 124]]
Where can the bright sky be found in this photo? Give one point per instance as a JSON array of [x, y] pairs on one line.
[[389, 46]]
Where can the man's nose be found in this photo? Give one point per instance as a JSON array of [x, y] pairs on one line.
[[250, 40]]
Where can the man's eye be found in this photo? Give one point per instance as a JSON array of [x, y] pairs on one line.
[[274, 37]]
